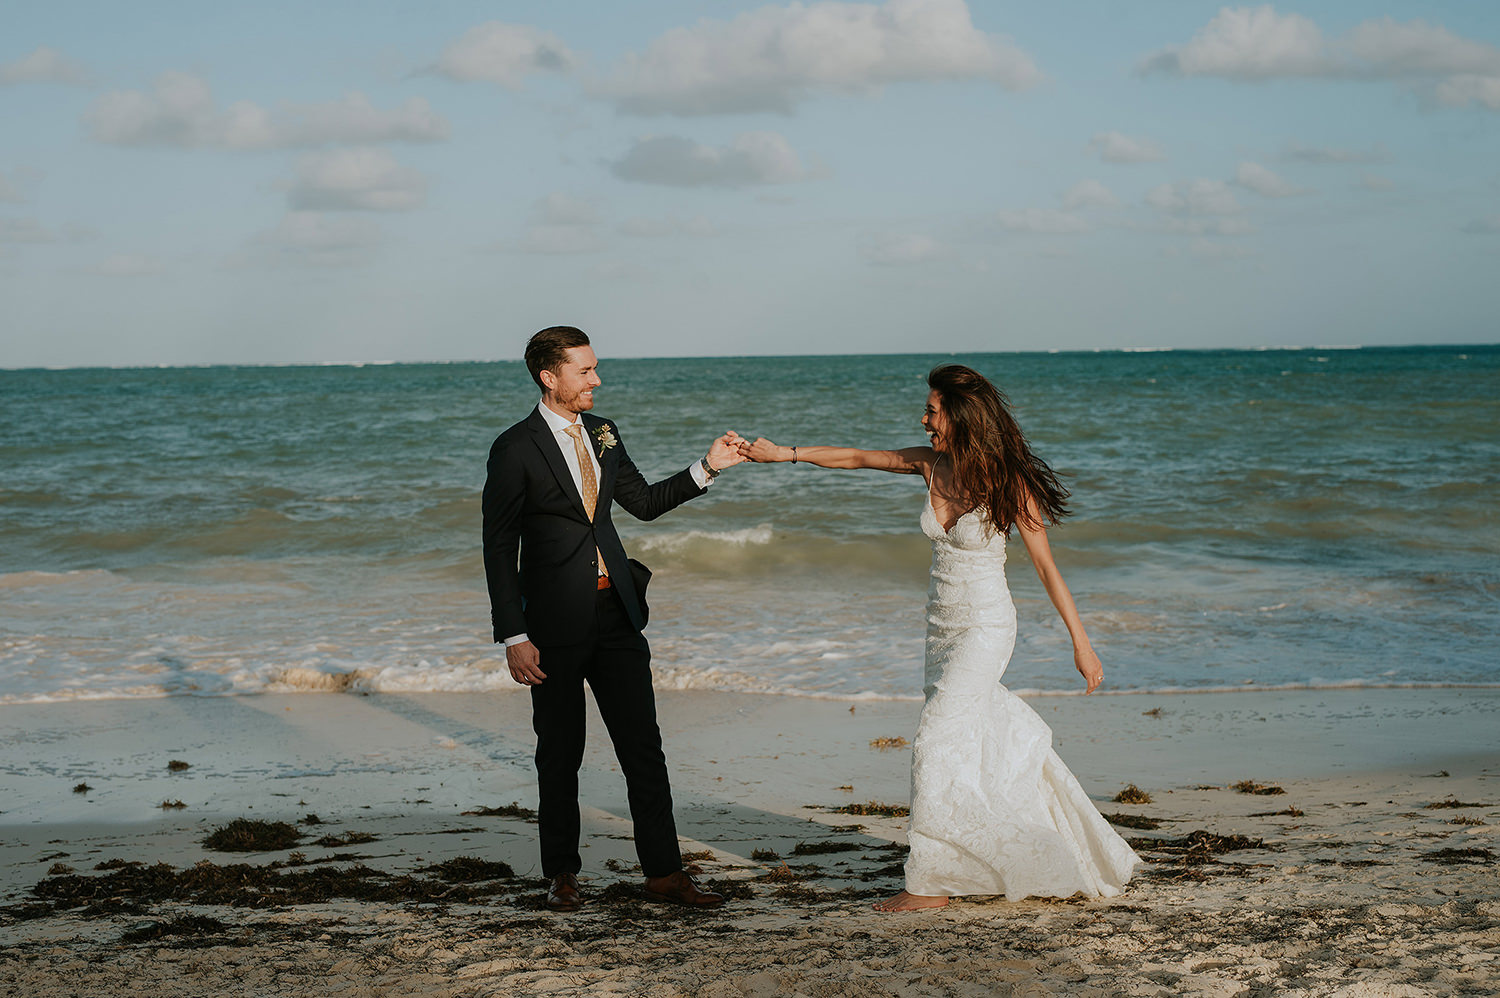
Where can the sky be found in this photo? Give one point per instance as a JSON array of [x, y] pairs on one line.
[[191, 183]]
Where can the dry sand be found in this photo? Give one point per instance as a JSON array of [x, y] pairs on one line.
[[1349, 883]]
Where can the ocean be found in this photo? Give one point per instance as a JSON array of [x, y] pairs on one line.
[[1243, 520]]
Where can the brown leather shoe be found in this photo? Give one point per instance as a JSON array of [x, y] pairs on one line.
[[563, 895], [679, 888]]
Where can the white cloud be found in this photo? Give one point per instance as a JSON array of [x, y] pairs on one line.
[[1329, 154], [1244, 43], [1248, 44], [1039, 220], [1254, 177], [128, 265], [1385, 48], [45, 65], [772, 58], [754, 158], [657, 228], [1458, 91], [1194, 197], [901, 249], [496, 52], [180, 112], [1088, 194], [25, 230], [1371, 182], [359, 179], [1112, 147], [1483, 226]]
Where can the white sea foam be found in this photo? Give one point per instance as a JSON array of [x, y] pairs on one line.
[[672, 543]]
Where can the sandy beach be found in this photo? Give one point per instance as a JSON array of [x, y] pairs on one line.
[[1373, 872]]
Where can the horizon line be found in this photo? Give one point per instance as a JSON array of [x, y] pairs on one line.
[[807, 356]]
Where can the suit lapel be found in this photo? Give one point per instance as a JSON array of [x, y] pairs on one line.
[[546, 442]]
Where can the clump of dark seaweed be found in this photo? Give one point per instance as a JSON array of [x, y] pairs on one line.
[[819, 848], [1132, 794], [1472, 856], [171, 805], [1134, 821], [177, 766], [252, 835], [82, 788], [1261, 789], [1451, 803], [511, 810], [347, 839], [1290, 812], [764, 855], [873, 809], [469, 870]]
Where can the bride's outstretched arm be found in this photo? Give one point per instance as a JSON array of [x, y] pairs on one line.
[[1034, 534], [910, 461]]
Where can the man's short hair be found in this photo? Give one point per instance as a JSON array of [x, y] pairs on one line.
[[548, 349]]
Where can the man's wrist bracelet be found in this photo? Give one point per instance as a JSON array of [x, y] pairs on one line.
[[794, 453], [708, 468]]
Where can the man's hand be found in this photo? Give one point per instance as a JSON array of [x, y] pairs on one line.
[[525, 663], [725, 452]]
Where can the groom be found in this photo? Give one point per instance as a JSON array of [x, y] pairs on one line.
[[570, 606]]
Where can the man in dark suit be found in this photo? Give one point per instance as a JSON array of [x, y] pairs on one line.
[[569, 606]]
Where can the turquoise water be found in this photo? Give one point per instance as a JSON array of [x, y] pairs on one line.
[[1307, 517]]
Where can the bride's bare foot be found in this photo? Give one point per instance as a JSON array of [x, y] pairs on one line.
[[910, 902]]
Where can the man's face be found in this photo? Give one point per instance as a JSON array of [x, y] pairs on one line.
[[571, 387]]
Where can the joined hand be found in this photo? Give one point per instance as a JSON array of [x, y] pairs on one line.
[[726, 452], [762, 451]]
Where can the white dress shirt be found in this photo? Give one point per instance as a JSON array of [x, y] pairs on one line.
[[559, 424]]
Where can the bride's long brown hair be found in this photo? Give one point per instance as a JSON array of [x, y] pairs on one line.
[[993, 465]]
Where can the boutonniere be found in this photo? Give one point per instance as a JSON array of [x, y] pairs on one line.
[[605, 438]]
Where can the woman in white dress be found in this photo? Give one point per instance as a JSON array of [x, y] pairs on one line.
[[994, 810]]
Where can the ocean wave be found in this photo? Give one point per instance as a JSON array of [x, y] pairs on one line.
[[423, 679], [758, 535]]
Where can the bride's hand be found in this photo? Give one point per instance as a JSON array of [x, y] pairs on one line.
[[761, 451], [1089, 667]]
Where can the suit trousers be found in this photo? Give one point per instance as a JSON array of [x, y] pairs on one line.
[[615, 660]]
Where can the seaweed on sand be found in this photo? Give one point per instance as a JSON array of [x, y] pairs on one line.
[[872, 809], [1472, 856], [1261, 789], [245, 886], [818, 848], [511, 810], [1134, 821], [469, 870], [1132, 794], [252, 835]]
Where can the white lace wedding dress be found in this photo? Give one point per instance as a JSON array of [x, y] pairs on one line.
[[993, 808]]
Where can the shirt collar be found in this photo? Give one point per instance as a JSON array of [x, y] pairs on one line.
[[556, 423]]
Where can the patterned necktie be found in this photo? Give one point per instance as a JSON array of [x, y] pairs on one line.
[[590, 483]]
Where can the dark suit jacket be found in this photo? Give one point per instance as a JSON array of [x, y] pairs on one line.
[[539, 544]]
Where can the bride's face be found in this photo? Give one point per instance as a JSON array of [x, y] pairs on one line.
[[935, 422]]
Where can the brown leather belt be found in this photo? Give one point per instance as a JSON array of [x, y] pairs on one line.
[[604, 582]]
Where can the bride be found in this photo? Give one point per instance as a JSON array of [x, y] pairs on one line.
[[993, 810]]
